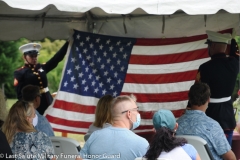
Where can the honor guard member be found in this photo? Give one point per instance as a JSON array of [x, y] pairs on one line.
[[35, 73], [220, 73]]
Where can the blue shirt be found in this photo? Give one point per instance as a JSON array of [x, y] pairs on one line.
[[43, 125], [113, 143], [195, 122]]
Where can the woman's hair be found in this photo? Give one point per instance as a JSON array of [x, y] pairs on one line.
[[163, 140], [17, 120], [103, 111], [3, 108]]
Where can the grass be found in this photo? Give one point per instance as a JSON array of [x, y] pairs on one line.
[[78, 137]]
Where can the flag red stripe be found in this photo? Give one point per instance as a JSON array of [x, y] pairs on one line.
[[67, 131], [160, 97], [161, 78], [171, 41], [75, 107], [170, 58]]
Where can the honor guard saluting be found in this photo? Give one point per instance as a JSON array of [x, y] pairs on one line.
[[35, 73], [220, 73]]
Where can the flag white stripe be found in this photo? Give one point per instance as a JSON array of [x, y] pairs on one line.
[[74, 129], [169, 49], [142, 106], [165, 68], [156, 88]]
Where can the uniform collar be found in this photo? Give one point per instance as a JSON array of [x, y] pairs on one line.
[[218, 55], [29, 65]]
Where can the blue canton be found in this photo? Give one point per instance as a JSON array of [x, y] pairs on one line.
[[97, 65], [195, 122]]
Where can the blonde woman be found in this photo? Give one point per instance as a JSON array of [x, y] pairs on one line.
[[102, 115], [24, 140]]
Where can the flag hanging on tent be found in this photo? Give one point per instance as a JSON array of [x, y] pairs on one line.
[[159, 72]]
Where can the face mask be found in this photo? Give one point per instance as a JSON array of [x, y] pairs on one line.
[[35, 121], [137, 123]]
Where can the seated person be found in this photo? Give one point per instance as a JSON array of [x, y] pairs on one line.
[[24, 140], [31, 94], [3, 108], [102, 115], [164, 144], [117, 141], [5, 149], [196, 122]]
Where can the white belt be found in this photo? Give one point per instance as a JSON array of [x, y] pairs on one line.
[[44, 90], [219, 100]]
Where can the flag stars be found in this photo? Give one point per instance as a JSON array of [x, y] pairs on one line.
[[86, 69], [85, 50], [115, 74], [77, 67], [114, 55], [129, 43], [115, 94], [102, 66], [81, 44], [78, 36], [100, 85], [91, 64], [87, 38], [90, 76], [75, 86], [118, 43], [108, 41], [65, 84], [105, 54], [105, 73], [73, 60], [98, 77], [99, 59], [91, 45], [94, 71], [125, 56], [97, 40], [95, 52], [108, 60], [101, 47], [104, 92], [112, 86], [88, 57], [80, 75], [72, 78], [109, 80], [69, 71], [83, 81], [111, 48], [119, 81], [80, 56], [86, 88], [112, 67], [83, 62], [96, 90], [118, 62], [121, 49], [76, 48], [93, 83], [122, 68]]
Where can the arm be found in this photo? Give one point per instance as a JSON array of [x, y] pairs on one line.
[[229, 155], [58, 57], [198, 157]]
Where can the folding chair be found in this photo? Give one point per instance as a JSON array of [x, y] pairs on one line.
[[65, 147], [200, 145]]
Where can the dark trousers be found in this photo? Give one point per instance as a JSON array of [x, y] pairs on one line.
[[229, 135]]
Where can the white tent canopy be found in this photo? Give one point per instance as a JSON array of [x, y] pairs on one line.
[[38, 19]]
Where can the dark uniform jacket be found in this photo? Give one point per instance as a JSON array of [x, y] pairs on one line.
[[37, 75], [220, 73]]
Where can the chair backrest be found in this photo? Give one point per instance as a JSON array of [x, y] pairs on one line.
[[200, 145], [65, 147], [141, 158]]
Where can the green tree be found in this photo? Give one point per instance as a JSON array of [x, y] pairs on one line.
[[9, 60]]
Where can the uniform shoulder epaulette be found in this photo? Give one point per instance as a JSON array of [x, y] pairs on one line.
[[20, 68]]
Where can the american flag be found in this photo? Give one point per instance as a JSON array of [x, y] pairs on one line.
[[159, 72]]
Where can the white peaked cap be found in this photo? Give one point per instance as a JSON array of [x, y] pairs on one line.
[[30, 47], [218, 37]]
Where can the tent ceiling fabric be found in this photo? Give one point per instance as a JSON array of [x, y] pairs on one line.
[[38, 19]]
